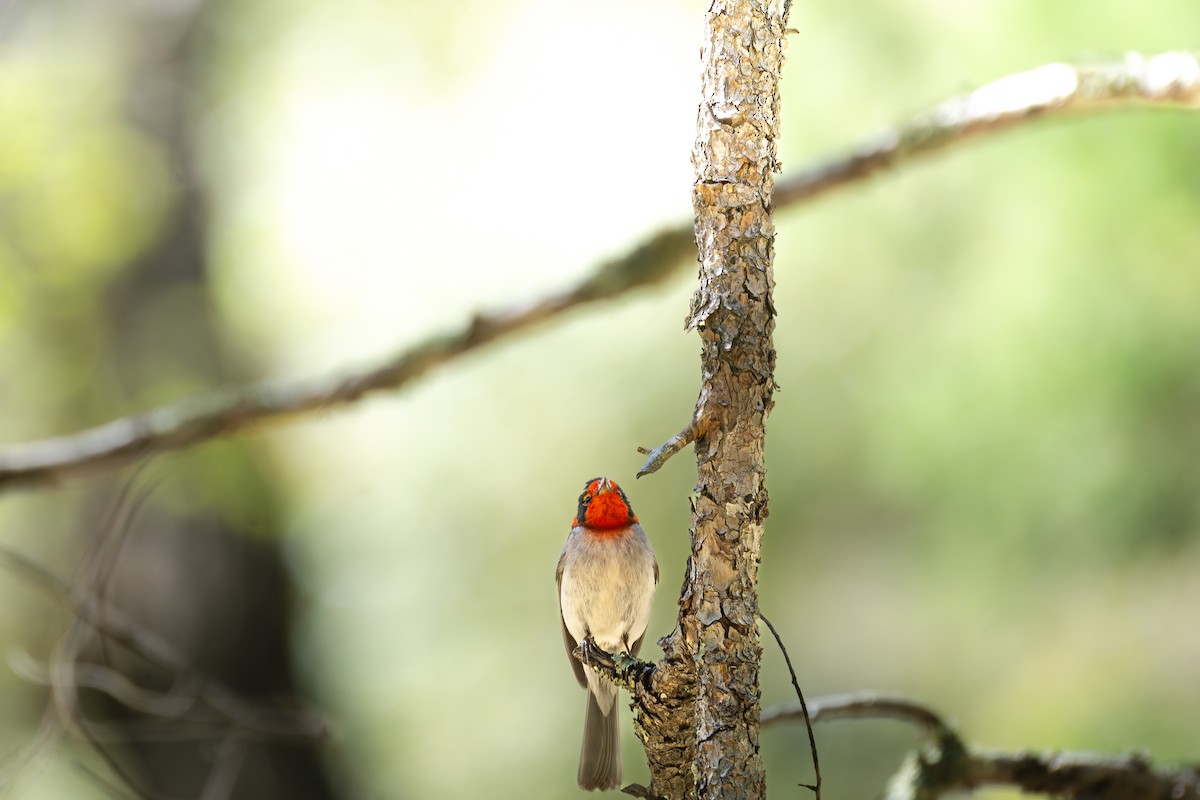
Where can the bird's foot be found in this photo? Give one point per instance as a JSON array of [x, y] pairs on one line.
[[586, 649]]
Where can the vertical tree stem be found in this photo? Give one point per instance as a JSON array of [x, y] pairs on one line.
[[735, 159]]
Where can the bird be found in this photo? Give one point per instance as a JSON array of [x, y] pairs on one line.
[[606, 579]]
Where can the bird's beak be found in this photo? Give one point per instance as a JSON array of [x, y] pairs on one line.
[[605, 486]]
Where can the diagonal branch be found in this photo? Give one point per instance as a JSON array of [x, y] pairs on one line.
[[697, 426], [1167, 80], [223, 413]]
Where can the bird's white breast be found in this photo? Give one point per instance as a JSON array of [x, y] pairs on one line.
[[607, 587]]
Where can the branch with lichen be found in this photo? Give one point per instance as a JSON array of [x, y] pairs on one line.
[[1165, 80], [629, 673], [946, 765]]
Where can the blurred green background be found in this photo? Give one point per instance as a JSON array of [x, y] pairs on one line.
[[984, 460]]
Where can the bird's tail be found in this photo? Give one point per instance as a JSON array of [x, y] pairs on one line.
[[600, 756]]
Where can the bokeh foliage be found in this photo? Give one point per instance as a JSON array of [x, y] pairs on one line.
[[983, 459]]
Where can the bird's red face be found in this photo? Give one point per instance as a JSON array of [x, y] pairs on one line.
[[603, 507]]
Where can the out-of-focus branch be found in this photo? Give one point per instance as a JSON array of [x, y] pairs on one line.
[[859, 706], [198, 419], [939, 771], [946, 765], [254, 718], [1076, 775], [1168, 79]]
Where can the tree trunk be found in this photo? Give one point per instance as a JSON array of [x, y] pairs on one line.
[[701, 726]]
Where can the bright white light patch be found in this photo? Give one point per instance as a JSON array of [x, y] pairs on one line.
[[1043, 87]]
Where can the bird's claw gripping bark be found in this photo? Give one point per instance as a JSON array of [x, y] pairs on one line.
[[587, 649]]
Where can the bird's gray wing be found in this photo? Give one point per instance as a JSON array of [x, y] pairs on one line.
[[568, 639], [637, 646]]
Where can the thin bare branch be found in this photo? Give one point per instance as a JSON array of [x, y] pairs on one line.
[[1165, 80], [165, 705], [860, 706], [230, 757], [64, 695], [697, 426], [263, 719], [812, 740]]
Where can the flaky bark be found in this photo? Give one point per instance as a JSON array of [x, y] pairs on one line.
[[701, 727]]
